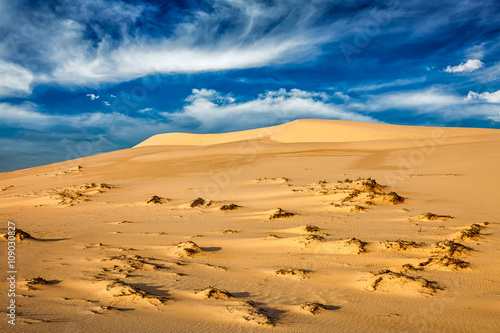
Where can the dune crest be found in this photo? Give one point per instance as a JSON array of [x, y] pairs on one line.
[[316, 130]]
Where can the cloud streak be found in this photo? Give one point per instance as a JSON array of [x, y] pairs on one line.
[[90, 42]]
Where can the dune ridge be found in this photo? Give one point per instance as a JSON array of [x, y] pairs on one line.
[[316, 130]]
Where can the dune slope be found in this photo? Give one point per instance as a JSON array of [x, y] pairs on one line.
[[308, 226]]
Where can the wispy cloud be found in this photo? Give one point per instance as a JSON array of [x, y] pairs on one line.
[[89, 42], [15, 80], [389, 84]]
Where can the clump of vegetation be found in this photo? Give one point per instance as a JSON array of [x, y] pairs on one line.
[[311, 238], [371, 185], [227, 232], [19, 235], [68, 197], [30, 283], [394, 198], [434, 217], [126, 289], [358, 243], [445, 261], [347, 180], [156, 200], [473, 232], [402, 244], [214, 293], [229, 207], [292, 271], [187, 248], [312, 307], [36, 281], [409, 267], [351, 196], [280, 213], [93, 186], [311, 228], [451, 248], [197, 202], [250, 311], [358, 208], [429, 286]]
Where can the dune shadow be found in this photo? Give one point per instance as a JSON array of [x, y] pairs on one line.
[[332, 307], [211, 248], [152, 289], [53, 281], [52, 239], [241, 294]]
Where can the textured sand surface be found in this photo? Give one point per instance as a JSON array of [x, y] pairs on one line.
[[321, 226]]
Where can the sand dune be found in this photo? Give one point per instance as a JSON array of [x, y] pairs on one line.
[[315, 130], [313, 225]]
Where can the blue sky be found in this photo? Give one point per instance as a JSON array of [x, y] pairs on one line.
[[83, 77]]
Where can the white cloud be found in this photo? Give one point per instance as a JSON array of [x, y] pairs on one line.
[[466, 67], [257, 34], [488, 97], [15, 80], [106, 103], [212, 112], [93, 96]]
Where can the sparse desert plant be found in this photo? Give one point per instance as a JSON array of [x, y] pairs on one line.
[[280, 213], [409, 267], [445, 261], [188, 248], [312, 307], [215, 293], [394, 198], [273, 236], [156, 200], [358, 208], [433, 217], [36, 281], [386, 274], [402, 244], [351, 196], [229, 207], [359, 243], [197, 202], [228, 232], [311, 238], [292, 271], [451, 248], [19, 235], [371, 185], [473, 232], [311, 228], [250, 311]]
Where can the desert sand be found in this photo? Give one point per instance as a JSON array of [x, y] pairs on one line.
[[314, 225]]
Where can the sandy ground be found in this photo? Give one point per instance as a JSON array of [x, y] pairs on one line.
[[320, 226]]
